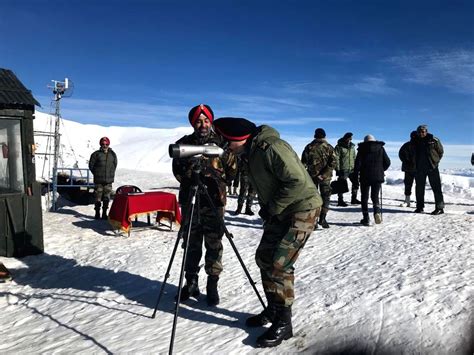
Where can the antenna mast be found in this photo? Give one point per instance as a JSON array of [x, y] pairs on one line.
[[59, 90]]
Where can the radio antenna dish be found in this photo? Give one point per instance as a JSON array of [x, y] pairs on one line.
[[62, 88]]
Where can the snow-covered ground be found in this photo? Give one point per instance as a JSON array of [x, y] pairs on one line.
[[405, 286]]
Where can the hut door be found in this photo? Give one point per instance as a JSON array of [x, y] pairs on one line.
[[11, 158]]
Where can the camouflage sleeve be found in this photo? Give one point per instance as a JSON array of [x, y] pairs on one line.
[[181, 169], [439, 148], [330, 164], [304, 157], [229, 161]]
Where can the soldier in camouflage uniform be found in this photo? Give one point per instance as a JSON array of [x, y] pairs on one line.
[[205, 226], [289, 206], [320, 160], [247, 192], [102, 164]]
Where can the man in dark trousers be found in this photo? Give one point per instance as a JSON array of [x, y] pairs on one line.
[[206, 226], [289, 205], [371, 162], [429, 152], [407, 155], [102, 164], [319, 159]]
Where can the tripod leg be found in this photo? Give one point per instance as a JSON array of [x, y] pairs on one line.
[[166, 275], [187, 223], [230, 237], [181, 276]]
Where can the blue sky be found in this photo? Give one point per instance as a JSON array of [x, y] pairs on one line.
[[379, 67]]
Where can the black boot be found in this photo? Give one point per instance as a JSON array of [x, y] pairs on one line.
[[211, 290], [248, 210], [238, 210], [354, 200], [281, 329], [340, 201], [105, 206], [365, 221], [191, 289], [322, 220], [259, 320], [97, 210]]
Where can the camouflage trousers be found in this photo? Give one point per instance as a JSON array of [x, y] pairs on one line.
[[324, 188], [279, 249], [246, 192], [207, 228], [102, 192]]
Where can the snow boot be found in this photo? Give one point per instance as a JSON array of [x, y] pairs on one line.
[[378, 218], [322, 220], [259, 320], [212, 297], [365, 221], [419, 210], [340, 201], [248, 210], [191, 289], [281, 329], [354, 200], [97, 210], [238, 210], [105, 207], [437, 211]]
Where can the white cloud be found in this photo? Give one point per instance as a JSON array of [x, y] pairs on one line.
[[454, 70]]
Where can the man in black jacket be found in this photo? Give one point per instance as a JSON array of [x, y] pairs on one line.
[[429, 152], [371, 162], [102, 164], [407, 155]]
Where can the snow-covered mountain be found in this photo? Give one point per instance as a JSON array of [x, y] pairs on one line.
[[404, 286]]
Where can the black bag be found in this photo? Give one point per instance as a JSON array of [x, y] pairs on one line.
[[339, 187]]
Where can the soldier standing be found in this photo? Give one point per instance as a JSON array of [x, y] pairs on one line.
[[102, 164], [345, 151], [246, 193], [429, 152], [289, 205], [407, 155], [205, 226], [319, 159]]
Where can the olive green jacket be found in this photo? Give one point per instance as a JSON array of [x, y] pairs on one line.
[[345, 157], [282, 183]]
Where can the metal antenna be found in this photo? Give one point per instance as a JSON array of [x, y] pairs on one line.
[[60, 89]]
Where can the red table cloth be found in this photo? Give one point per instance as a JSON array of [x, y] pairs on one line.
[[127, 206]]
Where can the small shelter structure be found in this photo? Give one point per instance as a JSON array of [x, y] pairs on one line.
[[21, 221]]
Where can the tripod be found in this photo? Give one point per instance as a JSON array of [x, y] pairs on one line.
[[196, 187]]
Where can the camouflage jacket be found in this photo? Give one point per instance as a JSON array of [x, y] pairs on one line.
[[319, 159], [215, 171], [278, 176]]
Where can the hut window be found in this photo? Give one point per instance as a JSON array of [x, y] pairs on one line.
[[11, 162]]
